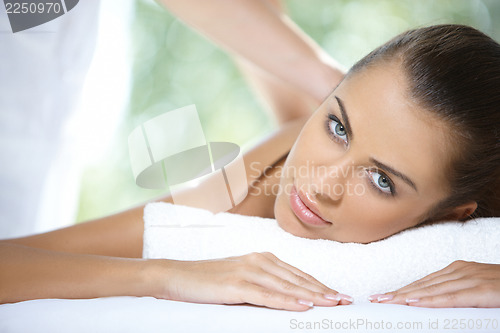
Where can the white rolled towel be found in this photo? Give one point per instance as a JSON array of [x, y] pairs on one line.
[[359, 270]]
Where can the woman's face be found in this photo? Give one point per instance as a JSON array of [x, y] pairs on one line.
[[367, 164]]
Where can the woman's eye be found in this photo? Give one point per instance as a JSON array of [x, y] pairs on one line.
[[381, 181], [337, 129]]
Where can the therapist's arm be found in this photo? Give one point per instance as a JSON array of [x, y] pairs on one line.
[[285, 65]]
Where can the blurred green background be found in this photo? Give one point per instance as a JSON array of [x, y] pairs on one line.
[[174, 66]]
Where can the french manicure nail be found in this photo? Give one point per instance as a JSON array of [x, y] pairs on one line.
[[384, 298], [374, 297], [412, 300], [332, 297], [346, 297], [308, 303]]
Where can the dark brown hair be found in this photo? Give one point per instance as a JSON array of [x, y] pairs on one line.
[[454, 72]]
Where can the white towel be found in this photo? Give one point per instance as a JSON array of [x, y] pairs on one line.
[[359, 270]]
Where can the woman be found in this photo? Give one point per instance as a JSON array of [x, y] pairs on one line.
[[410, 136]]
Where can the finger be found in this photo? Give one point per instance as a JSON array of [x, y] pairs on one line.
[[314, 285], [451, 271], [295, 286], [328, 293], [258, 295], [446, 274], [455, 299], [318, 286], [430, 279], [295, 270], [271, 264], [445, 287], [428, 285], [299, 279], [305, 280]]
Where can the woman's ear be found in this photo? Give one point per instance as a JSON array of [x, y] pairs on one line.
[[463, 211]]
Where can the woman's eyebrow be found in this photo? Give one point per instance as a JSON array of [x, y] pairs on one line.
[[347, 125], [396, 173], [345, 117]]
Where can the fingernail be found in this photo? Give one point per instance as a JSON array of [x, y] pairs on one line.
[[332, 297], [374, 297], [346, 297], [384, 298], [308, 303], [412, 300]]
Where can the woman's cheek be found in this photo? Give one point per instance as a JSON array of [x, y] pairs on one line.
[[365, 207]]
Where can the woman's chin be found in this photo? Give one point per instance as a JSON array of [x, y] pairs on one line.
[[291, 225]]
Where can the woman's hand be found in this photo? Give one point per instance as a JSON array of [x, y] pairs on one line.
[[460, 284], [256, 278]]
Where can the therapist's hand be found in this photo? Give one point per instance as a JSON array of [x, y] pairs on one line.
[[461, 284], [257, 278]]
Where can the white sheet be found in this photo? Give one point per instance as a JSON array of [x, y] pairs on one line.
[[147, 314]]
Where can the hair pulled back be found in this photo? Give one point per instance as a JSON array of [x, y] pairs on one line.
[[453, 71]]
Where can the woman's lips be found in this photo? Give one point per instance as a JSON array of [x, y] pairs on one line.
[[303, 212]]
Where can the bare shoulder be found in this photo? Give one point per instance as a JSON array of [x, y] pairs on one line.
[[121, 234], [271, 149]]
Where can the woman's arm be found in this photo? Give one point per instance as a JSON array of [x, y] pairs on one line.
[[31, 273], [259, 32], [262, 279], [117, 235], [78, 262]]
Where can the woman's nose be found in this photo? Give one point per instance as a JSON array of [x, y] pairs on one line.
[[330, 182]]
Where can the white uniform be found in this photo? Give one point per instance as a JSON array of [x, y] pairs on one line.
[[42, 72]]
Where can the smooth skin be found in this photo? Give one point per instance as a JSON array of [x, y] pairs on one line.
[[257, 278], [100, 258], [339, 175], [460, 284], [103, 257], [373, 100], [52, 264], [80, 261]]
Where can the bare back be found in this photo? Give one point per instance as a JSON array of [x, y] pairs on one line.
[[120, 235]]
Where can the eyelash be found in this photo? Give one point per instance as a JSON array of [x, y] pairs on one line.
[[392, 188], [330, 117]]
